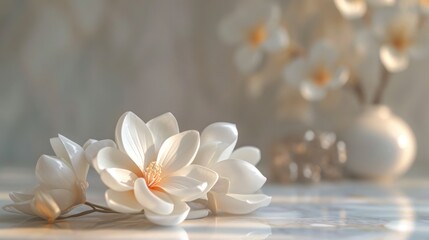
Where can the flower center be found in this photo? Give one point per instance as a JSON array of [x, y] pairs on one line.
[[257, 35], [399, 39], [152, 174], [321, 76]]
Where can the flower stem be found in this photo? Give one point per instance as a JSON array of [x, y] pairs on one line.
[[381, 86], [358, 90]]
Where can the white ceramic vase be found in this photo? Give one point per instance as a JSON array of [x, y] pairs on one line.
[[380, 145]]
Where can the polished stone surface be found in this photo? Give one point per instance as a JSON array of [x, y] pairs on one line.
[[344, 210]]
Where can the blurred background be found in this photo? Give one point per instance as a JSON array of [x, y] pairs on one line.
[[73, 67]]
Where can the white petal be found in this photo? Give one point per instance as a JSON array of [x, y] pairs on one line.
[[295, 72], [248, 58], [89, 142], [76, 156], [20, 197], [222, 185], [21, 207], [124, 202], [201, 174], [92, 149], [163, 127], [183, 188], [244, 178], [209, 153], [136, 139], [277, 40], [351, 9], [340, 77], [154, 201], [393, 60], [54, 173], [198, 210], [64, 199], [178, 151], [118, 179], [109, 157], [323, 53], [237, 203], [118, 136], [45, 206], [223, 132], [177, 216], [311, 91], [60, 150], [249, 154]]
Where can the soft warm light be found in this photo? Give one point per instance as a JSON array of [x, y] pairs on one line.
[[257, 36], [321, 76], [152, 175]]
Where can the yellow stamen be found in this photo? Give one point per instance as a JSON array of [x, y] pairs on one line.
[[152, 174], [257, 35], [321, 76]]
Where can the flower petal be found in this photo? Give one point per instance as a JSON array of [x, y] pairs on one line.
[[74, 155], [118, 179], [341, 76], [198, 210], [183, 188], [351, 9], [124, 202], [45, 206], [88, 142], [178, 151], [54, 173], [201, 174], [311, 91], [136, 139], [222, 185], [223, 132], [109, 157], [92, 149], [277, 40], [247, 58], [64, 199], [154, 201], [393, 61], [21, 207], [236, 203], [209, 153], [249, 154], [163, 127], [177, 216], [60, 150], [323, 53], [20, 196], [244, 178], [295, 72]]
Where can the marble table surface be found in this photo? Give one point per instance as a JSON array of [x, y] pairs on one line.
[[341, 210]]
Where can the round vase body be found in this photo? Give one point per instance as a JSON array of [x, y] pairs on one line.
[[379, 144]]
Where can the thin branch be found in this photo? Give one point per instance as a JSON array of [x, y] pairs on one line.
[[78, 214], [93, 205], [359, 92], [381, 86]]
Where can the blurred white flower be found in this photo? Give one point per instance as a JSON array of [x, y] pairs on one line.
[[236, 191], [255, 26], [62, 181], [152, 169], [352, 9], [317, 72], [402, 36]]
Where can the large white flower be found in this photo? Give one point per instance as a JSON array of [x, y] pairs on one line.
[[357, 8], [62, 180], [151, 171], [255, 27], [401, 35], [316, 73], [239, 179]]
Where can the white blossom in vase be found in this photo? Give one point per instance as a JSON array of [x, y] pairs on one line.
[[317, 72], [255, 28], [151, 170], [352, 9]]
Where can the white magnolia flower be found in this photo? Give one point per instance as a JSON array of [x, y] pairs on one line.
[[152, 169], [236, 191], [357, 8], [401, 36], [316, 73], [62, 180], [256, 28]]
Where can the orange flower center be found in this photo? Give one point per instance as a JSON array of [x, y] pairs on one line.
[[257, 35], [321, 76], [152, 174], [399, 38]]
